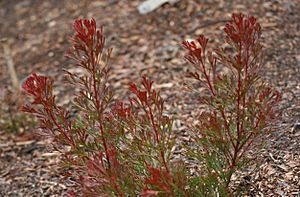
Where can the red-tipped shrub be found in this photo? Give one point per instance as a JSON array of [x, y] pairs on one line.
[[114, 148], [239, 104], [124, 148]]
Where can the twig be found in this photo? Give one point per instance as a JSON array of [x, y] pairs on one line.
[[206, 24], [10, 64]]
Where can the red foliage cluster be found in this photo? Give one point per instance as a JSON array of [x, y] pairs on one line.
[[239, 102], [124, 148], [34, 85], [116, 148]]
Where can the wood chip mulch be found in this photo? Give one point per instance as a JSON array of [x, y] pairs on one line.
[[37, 34]]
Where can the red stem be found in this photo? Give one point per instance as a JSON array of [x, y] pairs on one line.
[[59, 127], [244, 98], [157, 138], [98, 108], [248, 138], [207, 78], [238, 129]]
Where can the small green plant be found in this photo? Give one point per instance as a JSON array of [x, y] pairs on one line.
[[12, 120], [124, 148]]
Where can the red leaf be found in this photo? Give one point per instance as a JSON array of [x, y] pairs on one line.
[[120, 110], [142, 96], [36, 86], [160, 178], [133, 88], [85, 31], [147, 84], [148, 193]]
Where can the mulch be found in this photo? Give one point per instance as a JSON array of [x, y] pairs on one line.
[[37, 34]]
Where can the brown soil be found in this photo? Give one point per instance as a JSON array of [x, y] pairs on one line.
[[37, 34]]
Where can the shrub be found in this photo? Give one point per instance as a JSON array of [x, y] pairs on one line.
[[116, 148], [124, 148], [239, 104]]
